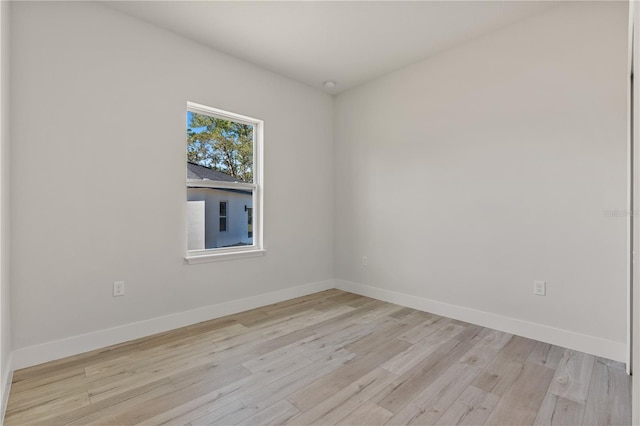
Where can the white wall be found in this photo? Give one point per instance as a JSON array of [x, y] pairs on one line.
[[98, 118], [466, 177], [5, 323]]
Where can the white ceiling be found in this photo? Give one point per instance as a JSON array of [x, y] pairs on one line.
[[349, 42]]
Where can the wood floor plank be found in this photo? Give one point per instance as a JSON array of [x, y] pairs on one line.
[[302, 378], [556, 410], [206, 397], [290, 308], [249, 404], [71, 376], [171, 338], [105, 408], [325, 351], [168, 407], [472, 408], [364, 302], [404, 312], [426, 328], [432, 402], [505, 368], [49, 389], [416, 353], [340, 299], [385, 333], [211, 372], [486, 349], [341, 403], [573, 376], [367, 414], [546, 355], [202, 398], [262, 338], [613, 364], [410, 384], [498, 377], [29, 413], [76, 361], [278, 414], [151, 364], [326, 358], [311, 343], [520, 404], [333, 382], [314, 316], [383, 311], [277, 355], [347, 320], [349, 334], [609, 396]]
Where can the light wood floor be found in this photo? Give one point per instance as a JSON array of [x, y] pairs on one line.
[[327, 358]]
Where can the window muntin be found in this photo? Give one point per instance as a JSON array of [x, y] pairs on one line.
[[223, 181]]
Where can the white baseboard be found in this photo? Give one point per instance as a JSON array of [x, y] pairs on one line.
[[7, 378], [568, 339], [57, 349]]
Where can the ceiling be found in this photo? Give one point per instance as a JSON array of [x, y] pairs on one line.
[[349, 42]]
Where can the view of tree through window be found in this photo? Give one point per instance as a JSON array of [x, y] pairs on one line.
[[222, 145]]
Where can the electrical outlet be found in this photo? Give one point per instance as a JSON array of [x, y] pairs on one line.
[[365, 261], [118, 288], [540, 288]]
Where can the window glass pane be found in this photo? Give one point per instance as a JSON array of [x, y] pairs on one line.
[[219, 165], [207, 228], [222, 146]]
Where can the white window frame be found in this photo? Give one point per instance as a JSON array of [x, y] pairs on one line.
[[257, 248]]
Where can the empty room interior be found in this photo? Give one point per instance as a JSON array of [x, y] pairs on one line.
[[319, 212]]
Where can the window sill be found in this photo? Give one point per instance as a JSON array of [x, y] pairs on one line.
[[217, 257]]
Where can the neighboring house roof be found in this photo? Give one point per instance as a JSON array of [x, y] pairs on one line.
[[196, 171]]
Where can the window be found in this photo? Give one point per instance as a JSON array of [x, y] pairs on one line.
[[224, 184], [223, 217]]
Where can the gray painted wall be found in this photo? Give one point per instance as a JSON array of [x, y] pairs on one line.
[[5, 237], [467, 176], [99, 154]]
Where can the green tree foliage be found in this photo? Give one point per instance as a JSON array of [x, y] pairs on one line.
[[222, 145]]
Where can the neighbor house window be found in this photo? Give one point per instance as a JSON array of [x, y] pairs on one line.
[[223, 217], [224, 185]]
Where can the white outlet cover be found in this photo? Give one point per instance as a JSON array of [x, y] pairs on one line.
[[540, 288], [118, 288]]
